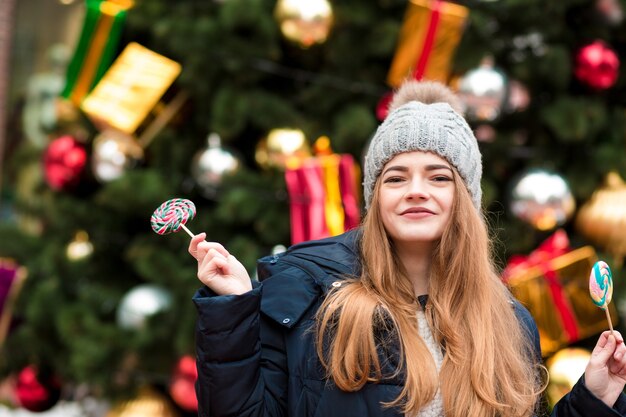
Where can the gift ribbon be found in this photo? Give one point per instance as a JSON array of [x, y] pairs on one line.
[[101, 32], [561, 303], [333, 208], [11, 279], [556, 245], [312, 184], [429, 40]]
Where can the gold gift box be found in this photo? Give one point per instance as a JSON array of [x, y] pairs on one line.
[[572, 269], [412, 37], [131, 87]]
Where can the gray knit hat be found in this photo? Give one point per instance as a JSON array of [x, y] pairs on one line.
[[417, 126]]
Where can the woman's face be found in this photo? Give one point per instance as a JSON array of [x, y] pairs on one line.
[[415, 197]]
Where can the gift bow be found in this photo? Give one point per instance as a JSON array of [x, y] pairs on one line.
[[554, 246]]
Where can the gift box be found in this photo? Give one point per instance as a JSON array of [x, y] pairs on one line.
[[553, 284], [430, 34], [323, 194], [12, 277]]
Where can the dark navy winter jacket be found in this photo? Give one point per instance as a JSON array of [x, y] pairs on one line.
[[256, 352]]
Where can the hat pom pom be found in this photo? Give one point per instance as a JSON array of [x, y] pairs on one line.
[[427, 92]]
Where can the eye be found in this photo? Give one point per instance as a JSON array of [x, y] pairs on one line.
[[393, 179], [441, 178]]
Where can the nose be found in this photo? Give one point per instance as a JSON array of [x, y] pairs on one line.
[[417, 190]]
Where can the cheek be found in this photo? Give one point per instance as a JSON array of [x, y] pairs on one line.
[[385, 213], [386, 200], [446, 199]]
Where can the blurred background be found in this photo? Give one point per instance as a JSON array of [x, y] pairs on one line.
[[259, 111]]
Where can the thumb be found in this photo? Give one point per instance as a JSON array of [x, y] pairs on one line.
[[604, 349]]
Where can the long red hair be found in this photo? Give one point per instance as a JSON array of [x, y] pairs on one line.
[[488, 367]]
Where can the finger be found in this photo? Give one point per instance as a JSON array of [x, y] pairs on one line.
[[618, 337], [618, 362], [620, 351], [204, 247], [207, 255], [618, 366], [622, 371], [193, 245], [222, 265], [207, 263], [604, 349], [212, 267]]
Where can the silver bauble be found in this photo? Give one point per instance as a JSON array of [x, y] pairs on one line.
[[140, 303], [210, 165], [483, 91], [542, 198], [114, 153]]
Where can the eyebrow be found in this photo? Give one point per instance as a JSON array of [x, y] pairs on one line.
[[403, 168]]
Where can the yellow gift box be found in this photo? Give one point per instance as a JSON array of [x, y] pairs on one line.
[[566, 276]]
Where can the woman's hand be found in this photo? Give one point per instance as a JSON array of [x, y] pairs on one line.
[[605, 375], [218, 269]]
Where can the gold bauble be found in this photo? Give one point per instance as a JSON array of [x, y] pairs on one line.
[[280, 146], [148, 403], [565, 368], [306, 22], [602, 219], [79, 248]]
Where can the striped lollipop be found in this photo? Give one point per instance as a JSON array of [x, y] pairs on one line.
[[172, 215], [601, 287]]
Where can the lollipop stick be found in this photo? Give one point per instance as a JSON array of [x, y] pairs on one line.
[[608, 317], [192, 235]]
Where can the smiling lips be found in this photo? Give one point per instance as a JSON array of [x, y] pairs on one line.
[[417, 212]]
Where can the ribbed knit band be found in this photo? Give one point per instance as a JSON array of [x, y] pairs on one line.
[[416, 126]]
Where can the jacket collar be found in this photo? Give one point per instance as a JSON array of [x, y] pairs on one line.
[[296, 279]]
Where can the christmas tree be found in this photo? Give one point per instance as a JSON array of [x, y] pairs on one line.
[[544, 92]]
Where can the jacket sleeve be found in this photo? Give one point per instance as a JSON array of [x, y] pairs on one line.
[[241, 359], [580, 402]]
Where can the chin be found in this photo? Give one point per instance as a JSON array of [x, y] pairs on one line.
[[421, 238]]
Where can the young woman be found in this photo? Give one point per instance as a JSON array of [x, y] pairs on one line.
[[405, 316]]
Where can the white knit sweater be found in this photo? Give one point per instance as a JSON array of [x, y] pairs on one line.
[[435, 407]]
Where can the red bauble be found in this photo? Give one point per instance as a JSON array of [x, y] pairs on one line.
[[64, 161], [382, 108], [597, 65], [182, 387], [36, 392]]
